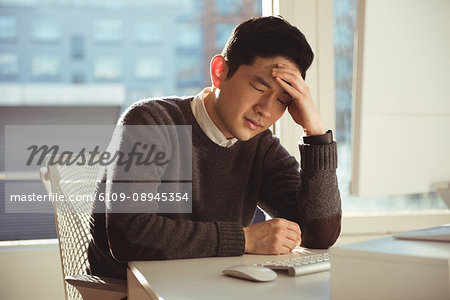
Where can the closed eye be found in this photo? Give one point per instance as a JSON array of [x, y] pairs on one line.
[[283, 102], [259, 90]]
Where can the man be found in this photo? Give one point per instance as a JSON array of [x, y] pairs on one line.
[[236, 162]]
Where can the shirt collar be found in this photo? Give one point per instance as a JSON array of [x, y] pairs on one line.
[[205, 122]]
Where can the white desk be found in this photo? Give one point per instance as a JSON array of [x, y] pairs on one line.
[[202, 278], [388, 268]]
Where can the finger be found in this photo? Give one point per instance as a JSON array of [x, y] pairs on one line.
[[279, 250], [285, 223], [290, 244], [290, 77], [286, 229], [289, 230], [295, 93], [286, 250], [292, 236], [280, 65], [293, 226], [296, 236], [291, 70]]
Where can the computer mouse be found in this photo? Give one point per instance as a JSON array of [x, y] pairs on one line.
[[251, 272]]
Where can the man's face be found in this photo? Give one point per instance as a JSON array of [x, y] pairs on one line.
[[251, 100]]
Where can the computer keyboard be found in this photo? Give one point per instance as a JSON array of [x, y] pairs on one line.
[[301, 265]]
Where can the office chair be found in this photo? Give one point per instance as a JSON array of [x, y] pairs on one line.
[[72, 220]]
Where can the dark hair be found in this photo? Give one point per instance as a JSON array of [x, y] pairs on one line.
[[267, 37]]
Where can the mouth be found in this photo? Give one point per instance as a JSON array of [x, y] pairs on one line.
[[253, 124]]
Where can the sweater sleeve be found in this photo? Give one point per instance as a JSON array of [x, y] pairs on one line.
[[309, 197], [135, 232]]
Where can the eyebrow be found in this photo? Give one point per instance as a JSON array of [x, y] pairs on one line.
[[262, 81], [265, 83]]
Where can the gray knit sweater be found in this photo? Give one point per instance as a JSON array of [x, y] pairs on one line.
[[227, 185]]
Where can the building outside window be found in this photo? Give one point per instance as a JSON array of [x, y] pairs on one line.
[[152, 48], [45, 30], [45, 66], [108, 31], [78, 78], [8, 27], [189, 36], [222, 32], [149, 32], [8, 65], [108, 68], [148, 68], [189, 68], [77, 46], [228, 7]]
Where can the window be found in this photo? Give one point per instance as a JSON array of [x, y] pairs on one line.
[[194, 6], [187, 90], [228, 7], [78, 78], [77, 47], [222, 32], [45, 67], [8, 28], [45, 30], [8, 65], [149, 33], [107, 68], [189, 36], [108, 31], [344, 27], [189, 69], [148, 68], [150, 48]]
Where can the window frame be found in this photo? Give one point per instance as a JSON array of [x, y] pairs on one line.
[[315, 18]]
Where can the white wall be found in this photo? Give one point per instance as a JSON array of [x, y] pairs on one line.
[[401, 97], [30, 271]]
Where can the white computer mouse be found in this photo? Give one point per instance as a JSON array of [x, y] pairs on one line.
[[251, 272]]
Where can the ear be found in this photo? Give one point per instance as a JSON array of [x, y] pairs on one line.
[[219, 70]]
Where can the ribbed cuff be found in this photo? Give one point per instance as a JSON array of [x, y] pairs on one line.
[[322, 139], [318, 157], [322, 233], [231, 239]]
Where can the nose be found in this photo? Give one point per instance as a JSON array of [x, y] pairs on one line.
[[264, 106]]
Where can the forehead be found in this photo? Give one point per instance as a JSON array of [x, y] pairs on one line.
[[266, 64]]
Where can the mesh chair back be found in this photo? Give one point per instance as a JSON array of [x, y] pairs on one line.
[[73, 217]]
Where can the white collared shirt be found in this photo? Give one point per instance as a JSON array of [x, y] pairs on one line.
[[205, 122]]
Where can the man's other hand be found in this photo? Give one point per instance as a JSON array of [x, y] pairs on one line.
[[276, 236]]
